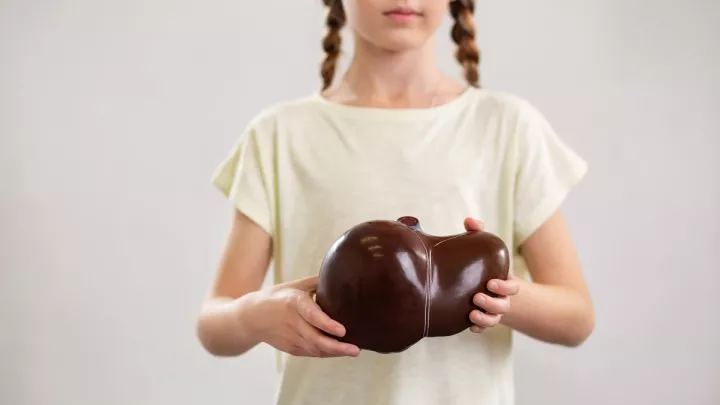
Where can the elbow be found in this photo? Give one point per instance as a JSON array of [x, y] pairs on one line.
[[581, 330], [579, 337], [210, 342], [204, 337], [218, 335]]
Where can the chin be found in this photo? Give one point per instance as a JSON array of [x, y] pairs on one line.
[[400, 41]]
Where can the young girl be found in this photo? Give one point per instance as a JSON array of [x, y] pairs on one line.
[[394, 137]]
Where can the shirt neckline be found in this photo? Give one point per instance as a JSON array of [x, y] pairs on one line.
[[395, 113]]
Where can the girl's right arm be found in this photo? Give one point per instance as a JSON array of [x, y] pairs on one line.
[[238, 315]]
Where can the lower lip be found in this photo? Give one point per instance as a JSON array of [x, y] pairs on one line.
[[400, 17]]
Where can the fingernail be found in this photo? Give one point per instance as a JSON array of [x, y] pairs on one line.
[[479, 299], [493, 285]]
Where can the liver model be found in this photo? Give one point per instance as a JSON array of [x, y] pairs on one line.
[[391, 285]]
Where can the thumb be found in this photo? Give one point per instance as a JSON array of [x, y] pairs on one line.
[[472, 224], [308, 284]]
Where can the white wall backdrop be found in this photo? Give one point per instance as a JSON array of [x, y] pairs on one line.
[[113, 115]]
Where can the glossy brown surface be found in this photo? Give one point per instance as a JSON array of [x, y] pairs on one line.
[[390, 284]]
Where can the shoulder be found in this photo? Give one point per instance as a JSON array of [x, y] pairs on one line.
[[507, 121], [282, 113], [518, 122], [256, 139], [507, 106]]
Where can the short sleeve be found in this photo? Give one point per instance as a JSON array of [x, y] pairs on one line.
[[245, 177], [547, 170]]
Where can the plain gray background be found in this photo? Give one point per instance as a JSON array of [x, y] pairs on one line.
[[113, 115]]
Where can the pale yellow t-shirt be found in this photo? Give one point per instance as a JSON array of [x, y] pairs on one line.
[[309, 169]]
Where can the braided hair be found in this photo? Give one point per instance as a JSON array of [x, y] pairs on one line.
[[462, 33], [332, 42]]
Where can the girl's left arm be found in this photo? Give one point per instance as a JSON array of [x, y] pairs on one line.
[[556, 306]]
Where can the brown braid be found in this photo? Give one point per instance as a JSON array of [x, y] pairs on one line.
[[463, 34], [331, 43]]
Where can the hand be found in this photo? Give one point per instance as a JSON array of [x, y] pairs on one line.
[[287, 318], [494, 307]]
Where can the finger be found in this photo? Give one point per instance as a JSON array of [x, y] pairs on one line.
[[310, 311], [484, 320], [295, 345], [472, 225], [325, 344], [301, 351], [492, 305], [507, 287], [308, 284], [477, 329], [305, 346]]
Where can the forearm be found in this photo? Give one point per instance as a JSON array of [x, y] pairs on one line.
[[222, 326], [550, 313]]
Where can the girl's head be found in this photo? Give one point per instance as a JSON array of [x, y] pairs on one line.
[[397, 26]]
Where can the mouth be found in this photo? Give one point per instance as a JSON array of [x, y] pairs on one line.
[[402, 14]]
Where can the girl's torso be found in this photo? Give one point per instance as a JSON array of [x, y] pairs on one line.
[[308, 170]]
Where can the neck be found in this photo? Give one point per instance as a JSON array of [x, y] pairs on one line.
[[385, 77]]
